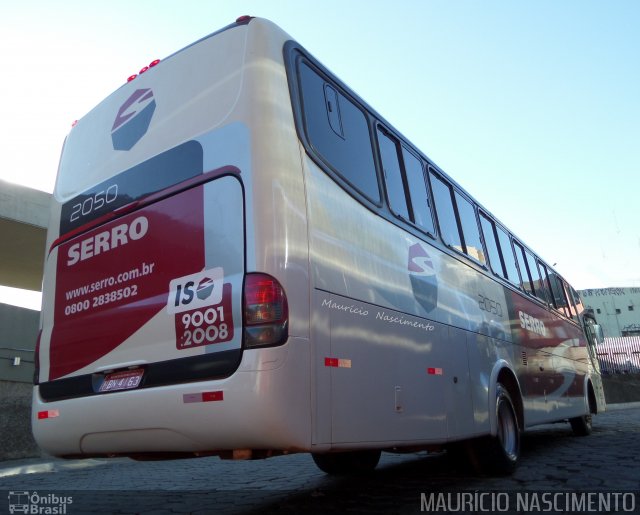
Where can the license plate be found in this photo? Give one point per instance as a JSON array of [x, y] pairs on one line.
[[125, 380]]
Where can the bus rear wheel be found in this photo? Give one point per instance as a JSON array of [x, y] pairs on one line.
[[499, 454], [582, 426], [350, 463]]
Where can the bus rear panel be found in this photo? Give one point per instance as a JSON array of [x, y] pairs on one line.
[[158, 324]]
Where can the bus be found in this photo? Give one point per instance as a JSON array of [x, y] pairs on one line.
[[246, 260]]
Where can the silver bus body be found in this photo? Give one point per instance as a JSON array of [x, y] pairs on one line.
[[196, 182]]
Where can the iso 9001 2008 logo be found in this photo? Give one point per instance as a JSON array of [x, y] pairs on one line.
[[195, 291], [40, 504]]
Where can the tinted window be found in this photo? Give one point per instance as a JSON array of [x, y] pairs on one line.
[[507, 255], [393, 175], [538, 286], [522, 264], [418, 192], [470, 230], [338, 131], [545, 281], [567, 295], [488, 231], [577, 301], [445, 211], [558, 294]]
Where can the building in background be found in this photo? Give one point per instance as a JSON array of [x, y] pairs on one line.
[[617, 310]]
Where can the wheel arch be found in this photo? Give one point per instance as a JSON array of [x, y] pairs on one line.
[[503, 374], [590, 400]]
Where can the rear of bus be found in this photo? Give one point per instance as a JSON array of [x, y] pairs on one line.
[[170, 322]]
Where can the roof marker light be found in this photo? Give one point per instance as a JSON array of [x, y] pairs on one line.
[[151, 65], [244, 19]]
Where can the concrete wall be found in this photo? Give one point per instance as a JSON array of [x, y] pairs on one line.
[[620, 388], [18, 333], [16, 440]]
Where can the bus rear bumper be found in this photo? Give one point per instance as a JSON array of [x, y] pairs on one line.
[[262, 407]]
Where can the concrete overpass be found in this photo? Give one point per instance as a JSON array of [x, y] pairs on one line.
[[24, 214]]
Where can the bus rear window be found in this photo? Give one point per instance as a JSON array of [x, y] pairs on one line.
[[162, 171]]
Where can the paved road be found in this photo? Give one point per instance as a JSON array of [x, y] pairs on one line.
[[553, 459]]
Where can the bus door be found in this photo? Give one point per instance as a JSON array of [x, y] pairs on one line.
[[595, 336]]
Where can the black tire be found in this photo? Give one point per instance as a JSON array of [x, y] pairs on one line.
[[500, 454], [582, 426], [352, 463]]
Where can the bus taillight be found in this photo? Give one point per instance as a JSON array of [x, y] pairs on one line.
[[266, 312]]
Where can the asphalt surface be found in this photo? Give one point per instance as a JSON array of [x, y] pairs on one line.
[[559, 473]]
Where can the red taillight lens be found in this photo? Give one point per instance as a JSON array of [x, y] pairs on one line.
[[266, 311], [264, 300]]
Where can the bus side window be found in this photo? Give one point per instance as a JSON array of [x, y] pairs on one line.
[[393, 180], [470, 230], [570, 304], [338, 131], [538, 286], [491, 241], [442, 197], [547, 283], [527, 283], [418, 192], [558, 294], [457, 219], [577, 301], [508, 256]]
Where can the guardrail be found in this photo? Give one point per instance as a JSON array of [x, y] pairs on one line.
[[619, 355]]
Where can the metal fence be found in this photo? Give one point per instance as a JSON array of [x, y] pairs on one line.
[[620, 355]]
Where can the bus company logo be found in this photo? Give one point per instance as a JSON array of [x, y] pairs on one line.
[[133, 119], [105, 241], [423, 277], [195, 291], [27, 502]]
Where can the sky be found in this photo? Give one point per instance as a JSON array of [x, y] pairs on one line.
[[533, 107]]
